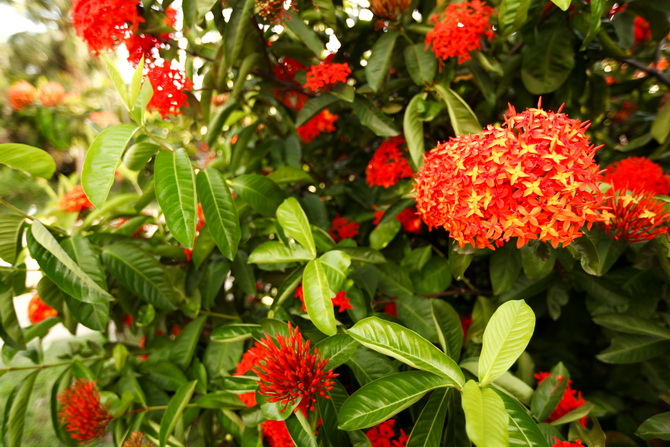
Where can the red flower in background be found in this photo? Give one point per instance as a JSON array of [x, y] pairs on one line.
[[388, 164], [533, 178], [343, 228], [170, 85], [641, 30], [286, 71], [104, 24], [83, 414], [142, 45], [326, 75], [571, 400], [290, 371], [381, 435], [276, 434], [466, 322], [273, 10], [75, 200], [635, 217], [389, 9], [324, 122], [559, 443], [391, 309], [340, 299], [38, 310], [459, 30], [637, 174], [410, 220], [51, 94]]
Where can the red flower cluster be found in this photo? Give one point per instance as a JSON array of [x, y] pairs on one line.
[[104, 24], [381, 435], [288, 371], [389, 9], [137, 439], [641, 30], [75, 200], [51, 94], [560, 443], [273, 10], [83, 414], [409, 219], [21, 94], [532, 178], [325, 75], [169, 85], [286, 71], [343, 228], [571, 400], [339, 300], [38, 310], [324, 122], [147, 45], [635, 217], [637, 174], [388, 164], [460, 29]]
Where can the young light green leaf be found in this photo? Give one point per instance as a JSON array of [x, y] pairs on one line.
[[318, 297], [118, 81], [506, 336], [10, 236], [462, 118], [293, 220], [563, 4], [427, 431], [29, 159], [139, 106], [219, 210], [336, 265], [660, 128], [413, 130], [102, 159], [273, 252], [174, 410], [380, 60], [17, 414], [485, 416], [175, 192], [521, 427]]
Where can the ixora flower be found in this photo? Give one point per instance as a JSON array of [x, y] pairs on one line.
[[342, 228], [389, 9], [21, 94], [104, 24], [637, 174], [340, 300], [324, 122], [641, 30], [559, 443], [83, 414], [326, 75], [388, 164], [571, 400], [38, 310], [170, 85], [51, 94], [532, 178], [409, 219], [273, 11], [635, 217], [459, 30], [137, 439], [381, 435], [75, 200], [290, 95]]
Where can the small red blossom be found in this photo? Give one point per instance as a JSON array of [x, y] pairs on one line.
[[324, 122], [170, 18], [342, 301], [388, 164], [571, 400], [381, 435], [170, 85], [391, 309], [459, 30], [410, 220], [635, 217], [104, 24], [142, 46], [21, 94], [389, 9], [201, 219], [466, 322], [286, 70], [289, 371], [533, 178], [51, 94], [38, 310], [342, 228], [189, 254], [326, 75], [273, 11], [641, 30], [83, 414], [559, 443], [75, 200], [137, 439], [637, 174], [377, 216]]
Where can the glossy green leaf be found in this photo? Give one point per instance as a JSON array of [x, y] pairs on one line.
[[233, 332], [237, 30], [421, 64], [372, 118], [337, 349], [363, 254], [597, 11], [220, 400], [522, 429], [290, 174], [549, 393], [660, 127], [504, 268], [427, 431], [413, 130], [190, 9], [548, 61], [139, 106], [631, 324], [575, 415], [183, 348], [29, 159], [261, 193], [448, 327], [563, 4], [336, 265], [318, 297], [219, 210], [506, 336], [381, 399], [10, 330], [395, 340], [512, 14], [485, 416], [17, 414], [633, 349], [380, 61], [416, 313], [10, 232], [293, 220], [273, 252], [117, 80], [434, 277], [656, 427], [367, 365], [328, 409], [305, 33], [174, 410], [139, 154], [461, 116], [537, 259], [313, 106], [300, 431], [384, 233], [345, 92]]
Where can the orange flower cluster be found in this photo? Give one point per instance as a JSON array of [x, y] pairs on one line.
[[137, 439], [342, 228], [104, 24], [636, 217], [460, 29], [339, 300], [51, 94], [389, 9], [21, 94], [83, 414], [641, 30], [381, 435], [388, 164], [637, 174], [325, 75], [103, 119], [324, 122], [38, 310], [170, 85], [286, 71], [532, 178], [75, 200], [571, 400]]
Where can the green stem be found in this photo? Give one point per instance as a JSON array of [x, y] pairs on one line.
[[15, 209], [46, 366], [218, 315], [156, 140]]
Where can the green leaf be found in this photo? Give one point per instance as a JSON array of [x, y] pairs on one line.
[[220, 400], [190, 8], [345, 92], [17, 414], [304, 33], [385, 397], [537, 259], [485, 416], [384, 233], [656, 427], [372, 118], [421, 64], [575, 415], [273, 252], [512, 14], [300, 431], [504, 268], [183, 348], [395, 340], [427, 431], [597, 11], [174, 410], [337, 349], [175, 192], [136, 83], [448, 326], [232, 332], [219, 210], [290, 174], [10, 236], [461, 116], [141, 274], [248, 64], [506, 336], [434, 277], [363, 254], [631, 324], [313, 106], [563, 4], [413, 130], [367, 365], [319, 297], [261, 193], [327, 10], [139, 106], [416, 314], [216, 124], [633, 349], [237, 30], [380, 60], [660, 127], [547, 62], [9, 324], [294, 221], [522, 429], [336, 265], [102, 159], [29, 159], [117, 80], [139, 154], [549, 393]]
